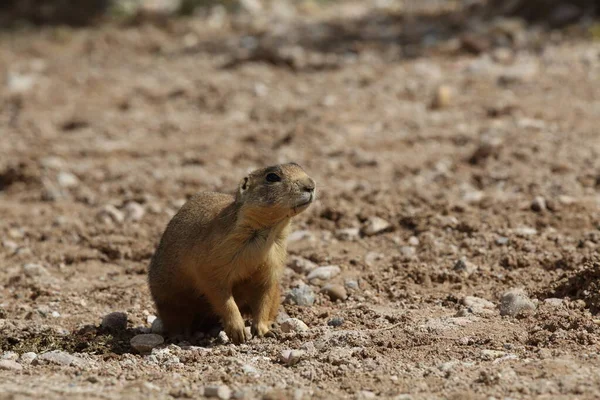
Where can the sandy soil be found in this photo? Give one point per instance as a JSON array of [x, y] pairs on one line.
[[493, 186]]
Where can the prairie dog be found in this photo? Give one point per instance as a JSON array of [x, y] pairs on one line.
[[221, 256]]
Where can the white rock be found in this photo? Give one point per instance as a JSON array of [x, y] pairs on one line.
[[67, 180], [413, 241], [302, 296], [10, 355], [491, 354], [293, 325], [375, 225], [144, 343], [324, 273], [219, 391], [347, 234], [223, 337], [19, 83], [28, 358], [150, 319], [514, 302], [10, 365], [525, 231], [134, 211], [477, 302], [110, 213], [291, 357], [33, 269], [59, 357]]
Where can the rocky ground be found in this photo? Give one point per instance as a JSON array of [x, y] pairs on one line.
[[453, 251]]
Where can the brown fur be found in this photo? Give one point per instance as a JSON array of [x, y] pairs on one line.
[[221, 256]]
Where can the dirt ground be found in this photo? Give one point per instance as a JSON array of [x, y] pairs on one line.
[[484, 167]]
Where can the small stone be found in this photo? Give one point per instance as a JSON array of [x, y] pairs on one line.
[[351, 284], [32, 270], [413, 241], [10, 365], [302, 296], [366, 395], [335, 322], [525, 231], [28, 358], [249, 370], [477, 302], [145, 342], [491, 354], [291, 357], [442, 97], [538, 204], [115, 321], [514, 302], [223, 337], [10, 245], [157, 326], [335, 291], [301, 265], [222, 392], [10, 355], [447, 366], [348, 234], [293, 325], [408, 251], [58, 357], [67, 180], [110, 214], [324, 273], [501, 241], [376, 225], [465, 267], [55, 314], [150, 319], [134, 211]]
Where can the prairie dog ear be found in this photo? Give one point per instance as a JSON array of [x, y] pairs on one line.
[[243, 185]]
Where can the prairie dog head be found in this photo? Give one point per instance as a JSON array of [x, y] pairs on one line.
[[276, 192]]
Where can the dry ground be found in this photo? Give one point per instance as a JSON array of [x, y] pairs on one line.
[[105, 131]]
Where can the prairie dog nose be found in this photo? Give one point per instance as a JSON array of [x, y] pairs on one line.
[[308, 185]]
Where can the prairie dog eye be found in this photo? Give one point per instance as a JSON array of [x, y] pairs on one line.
[[272, 178]]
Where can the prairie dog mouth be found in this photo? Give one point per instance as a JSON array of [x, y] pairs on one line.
[[304, 202]]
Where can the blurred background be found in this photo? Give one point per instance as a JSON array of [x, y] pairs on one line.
[[456, 152]]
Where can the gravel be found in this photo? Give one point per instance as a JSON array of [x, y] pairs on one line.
[[291, 357], [293, 325]]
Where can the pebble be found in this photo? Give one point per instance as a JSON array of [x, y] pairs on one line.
[[442, 97], [413, 241], [301, 296], [351, 284], [324, 273], [33, 269], [301, 265], [501, 241], [293, 325], [491, 354], [115, 321], [223, 337], [375, 225], [465, 266], [335, 291], [144, 343], [514, 302], [367, 395], [348, 234], [538, 204], [10, 355], [219, 391], [67, 180], [59, 357], [291, 357], [408, 251], [372, 257], [150, 319], [249, 370], [10, 365], [525, 231], [335, 322], [157, 327], [477, 302], [134, 211], [110, 214], [28, 358]]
